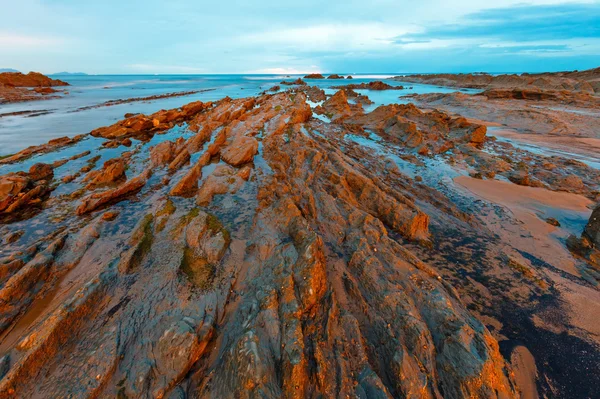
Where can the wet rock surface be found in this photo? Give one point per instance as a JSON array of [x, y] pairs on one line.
[[32, 79], [377, 85], [143, 126], [577, 81], [298, 82], [547, 116], [52, 145], [312, 93], [314, 76], [245, 248], [21, 193], [112, 103], [592, 229]]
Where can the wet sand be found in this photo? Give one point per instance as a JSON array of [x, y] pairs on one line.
[[584, 146], [514, 195], [530, 206], [526, 203]]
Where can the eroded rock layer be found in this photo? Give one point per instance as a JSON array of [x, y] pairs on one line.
[[257, 260], [15, 86], [582, 81], [246, 248]]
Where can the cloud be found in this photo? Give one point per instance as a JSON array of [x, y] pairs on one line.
[[519, 24], [11, 41], [330, 37], [542, 48], [236, 36]]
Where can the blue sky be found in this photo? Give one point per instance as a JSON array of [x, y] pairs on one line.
[[279, 36]]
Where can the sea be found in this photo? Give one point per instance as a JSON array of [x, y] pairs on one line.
[[65, 117]]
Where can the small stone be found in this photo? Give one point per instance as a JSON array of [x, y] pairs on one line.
[[553, 222], [110, 215]]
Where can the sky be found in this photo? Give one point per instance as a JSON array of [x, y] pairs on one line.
[[280, 36]]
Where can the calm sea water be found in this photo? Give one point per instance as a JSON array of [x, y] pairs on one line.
[[18, 132]]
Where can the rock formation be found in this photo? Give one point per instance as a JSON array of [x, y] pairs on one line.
[[280, 277], [314, 76], [112, 103], [592, 229], [376, 85], [14, 86], [587, 247], [32, 79], [298, 82], [266, 252], [584, 81]]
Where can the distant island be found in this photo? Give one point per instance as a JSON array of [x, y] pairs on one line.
[[7, 70]]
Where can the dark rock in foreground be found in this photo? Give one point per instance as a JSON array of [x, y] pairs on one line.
[[592, 229]]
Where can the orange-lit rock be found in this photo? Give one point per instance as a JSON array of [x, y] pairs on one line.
[[267, 252], [240, 151]]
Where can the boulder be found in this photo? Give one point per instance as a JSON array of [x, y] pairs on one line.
[[138, 124], [523, 178], [45, 90], [224, 179], [97, 200], [18, 191], [32, 79], [41, 171], [240, 151], [207, 237], [110, 215], [298, 82], [592, 229], [189, 182], [181, 159], [112, 172], [376, 85], [337, 106], [477, 134], [163, 153], [11, 185]]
